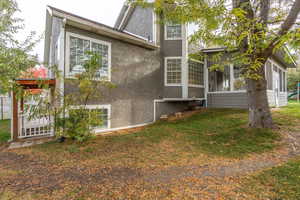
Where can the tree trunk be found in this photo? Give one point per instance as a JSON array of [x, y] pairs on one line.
[[259, 110]]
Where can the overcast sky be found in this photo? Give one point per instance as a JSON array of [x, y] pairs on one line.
[[34, 14]]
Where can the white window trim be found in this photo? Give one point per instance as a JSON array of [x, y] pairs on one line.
[[228, 92], [177, 38], [196, 85], [68, 35], [166, 74], [91, 107]]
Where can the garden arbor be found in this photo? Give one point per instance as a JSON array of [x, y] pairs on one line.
[[24, 125]]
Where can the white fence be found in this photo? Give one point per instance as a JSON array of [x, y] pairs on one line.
[[42, 126], [5, 107]]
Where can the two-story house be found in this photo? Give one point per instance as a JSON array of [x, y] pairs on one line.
[[149, 64]]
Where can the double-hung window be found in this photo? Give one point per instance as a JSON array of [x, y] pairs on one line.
[[79, 50], [173, 71], [196, 73], [173, 31]]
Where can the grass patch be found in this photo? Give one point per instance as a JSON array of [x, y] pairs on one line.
[[224, 132], [213, 132], [4, 131], [277, 183], [288, 117]]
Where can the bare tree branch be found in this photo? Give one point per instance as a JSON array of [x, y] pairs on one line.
[[285, 27]]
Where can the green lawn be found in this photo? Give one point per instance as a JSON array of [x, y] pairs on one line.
[[278, 183], [283, 182], [212, 132], [4, 131]]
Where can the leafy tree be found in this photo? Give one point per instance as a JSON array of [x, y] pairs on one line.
[[251, 29], [15, 55], [73, 118]]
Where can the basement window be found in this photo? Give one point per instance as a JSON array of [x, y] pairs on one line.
[[101, 111]]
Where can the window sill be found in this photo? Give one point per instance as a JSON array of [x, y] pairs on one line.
[[196, 86], [96, 79], [228, 92], [173, 85], [173, 38]]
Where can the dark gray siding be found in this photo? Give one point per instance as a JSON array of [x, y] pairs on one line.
[[196, 92], [141, 23], [172, 92], [170, 48], [227, 100], [138, 77]]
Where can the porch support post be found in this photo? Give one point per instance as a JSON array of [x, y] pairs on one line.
[[231, 77], [15, 118], [206, 81]]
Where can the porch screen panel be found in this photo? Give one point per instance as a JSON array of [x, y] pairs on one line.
[[238, 81], [269, 77], [219, 80], [196, 73], [280, 80], [284, 81]]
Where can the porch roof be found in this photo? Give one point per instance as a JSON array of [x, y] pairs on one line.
[[279, 55]]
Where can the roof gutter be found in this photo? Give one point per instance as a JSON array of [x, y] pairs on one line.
[[92, 26]]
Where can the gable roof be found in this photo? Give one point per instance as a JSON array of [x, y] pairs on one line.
[[279, 55], [99, 28]]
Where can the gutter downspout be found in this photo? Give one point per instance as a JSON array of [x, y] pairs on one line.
[[185, 70], [205, 81]]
